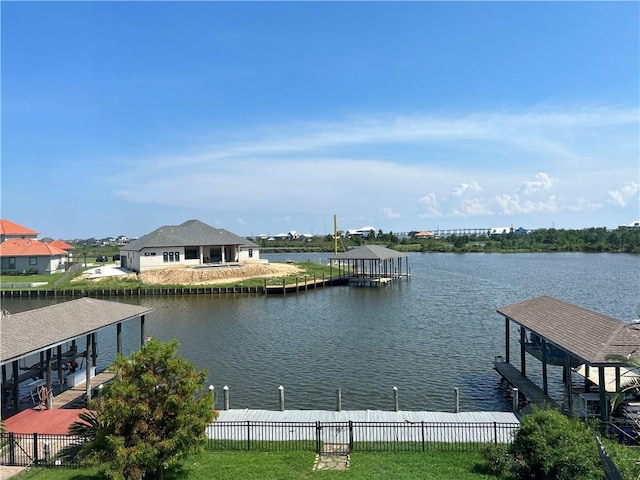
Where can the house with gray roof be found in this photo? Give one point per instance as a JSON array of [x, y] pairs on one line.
[[191, 243]]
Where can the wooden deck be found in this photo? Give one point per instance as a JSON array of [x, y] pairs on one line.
[[526, 387], [73, 395]]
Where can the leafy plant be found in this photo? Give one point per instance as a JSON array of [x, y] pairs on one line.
[[150, 417], [551, 446]]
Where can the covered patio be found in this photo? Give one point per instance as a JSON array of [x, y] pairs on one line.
[[579, 340]]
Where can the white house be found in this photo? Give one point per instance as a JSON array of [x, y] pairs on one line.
[[189, 244]]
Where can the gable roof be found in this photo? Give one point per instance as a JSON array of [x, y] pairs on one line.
[[369, 252], [35, 330], [11, 228], [587, 335], [28, 247], [62, 245], [190, 233]]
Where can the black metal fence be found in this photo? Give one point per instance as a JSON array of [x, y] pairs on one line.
[[344, 437], [27, 449]]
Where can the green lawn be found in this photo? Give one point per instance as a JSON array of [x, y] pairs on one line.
[[299, 465]]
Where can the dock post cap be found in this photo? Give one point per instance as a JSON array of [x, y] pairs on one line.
[[280, 387], [225, 387], [211, 388]]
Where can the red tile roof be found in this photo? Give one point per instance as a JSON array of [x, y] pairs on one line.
[[11, 228], [28, 247], [61, 245]]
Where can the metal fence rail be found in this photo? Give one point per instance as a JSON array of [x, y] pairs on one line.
[[357, 436], [25, 449]]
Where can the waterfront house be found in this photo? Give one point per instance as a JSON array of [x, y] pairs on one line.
[[191, 244], [21, 251]]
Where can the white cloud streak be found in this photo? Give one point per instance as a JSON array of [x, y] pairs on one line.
[[521, 164]]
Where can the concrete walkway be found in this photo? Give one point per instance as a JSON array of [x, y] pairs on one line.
[[10, 472]]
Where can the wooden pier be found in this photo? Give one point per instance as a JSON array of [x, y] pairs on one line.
[[530, 390]]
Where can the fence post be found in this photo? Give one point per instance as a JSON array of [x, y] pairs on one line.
[[350, 435], [495, 432], [12, 449], [318, 430], [281, 388], [248, 434], [339, 399], [422, 433], [226, 397], [35, 448]]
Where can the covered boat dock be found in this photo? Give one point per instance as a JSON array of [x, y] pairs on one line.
[[578, 339], [44, 333], [371, 265]]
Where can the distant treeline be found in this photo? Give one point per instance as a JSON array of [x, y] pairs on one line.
[[543, 240]]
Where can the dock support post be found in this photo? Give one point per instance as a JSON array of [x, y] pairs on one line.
[[141, 330], [213, 397], [281, 389], [515, 400], [88, 365], [119, 338], [396, 405], [225, 391], [456, 400], [339, 400]]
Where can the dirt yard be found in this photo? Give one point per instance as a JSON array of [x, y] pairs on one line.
[[213, 275]]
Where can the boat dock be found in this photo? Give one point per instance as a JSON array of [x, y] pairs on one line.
[[70, 397], [530, 390]]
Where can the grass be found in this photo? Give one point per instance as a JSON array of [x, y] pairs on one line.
[[49, 278], [299, 465]]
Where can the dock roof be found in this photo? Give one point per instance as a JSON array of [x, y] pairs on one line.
[[33, 331], [369, 252], [585, 334]]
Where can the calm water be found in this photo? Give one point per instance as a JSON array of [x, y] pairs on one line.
[[427, 336]]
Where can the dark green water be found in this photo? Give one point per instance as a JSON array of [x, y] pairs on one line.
[[427, 336]]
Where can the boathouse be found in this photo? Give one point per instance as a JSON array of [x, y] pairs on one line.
[[50, 335], [371, 265], [577, 339]]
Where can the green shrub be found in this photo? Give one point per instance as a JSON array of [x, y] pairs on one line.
[[499, 461], [551, 446]]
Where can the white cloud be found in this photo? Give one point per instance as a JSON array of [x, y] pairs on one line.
[[623, 196], [389, 213], [475, 207], [363, 165], [464, 187], [543, 181], [431, 206]]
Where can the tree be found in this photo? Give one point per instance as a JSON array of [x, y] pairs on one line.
[[151, 415]]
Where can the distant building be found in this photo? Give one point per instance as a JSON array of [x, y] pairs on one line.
[[189, 244], [632, 225], [21, 251], [424, 234], [500, 231]]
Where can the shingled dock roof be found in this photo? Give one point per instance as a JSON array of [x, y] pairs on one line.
[[33, 331], [369, 252], [585, 334], [189, 233]]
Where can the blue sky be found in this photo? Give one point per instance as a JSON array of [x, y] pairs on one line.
[[261, 118]]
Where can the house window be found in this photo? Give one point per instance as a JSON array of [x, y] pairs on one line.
[[165, 256], [8, 263], [177, 256], [171, 256], [153, 254], [191, 254], [33, 260], [251, 253]]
